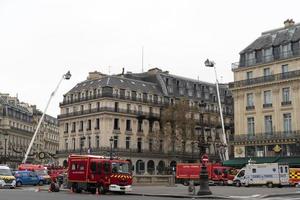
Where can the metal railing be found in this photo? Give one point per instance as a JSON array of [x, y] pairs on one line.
[[110, 95], [109, 109], [266, 136], [265, 79]]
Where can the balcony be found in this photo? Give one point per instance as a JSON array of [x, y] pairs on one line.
[[110, 95], [265, 79], [266, 59], [250, 107], [266, 136], [109, 109], [286, 103], [267, 105]]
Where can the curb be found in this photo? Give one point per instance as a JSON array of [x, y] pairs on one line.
[[163, 195], [280, 195]]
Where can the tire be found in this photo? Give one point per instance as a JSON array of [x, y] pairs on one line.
[[238, 184], [41, 182], [270, 185], [18, 184], [185, 183], [221, 183], [76, 189], [101, 189]]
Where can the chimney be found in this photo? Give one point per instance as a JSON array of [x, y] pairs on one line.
[[95, 75], [288, 23]]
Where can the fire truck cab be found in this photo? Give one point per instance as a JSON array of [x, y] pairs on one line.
[[92, 173]]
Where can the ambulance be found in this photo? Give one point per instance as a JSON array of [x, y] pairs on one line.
[[7, 180], [269, 174]]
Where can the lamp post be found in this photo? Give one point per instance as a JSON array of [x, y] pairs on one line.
[[111, 140], [203, 175], [209, 63], [5, 146], [66, 76]]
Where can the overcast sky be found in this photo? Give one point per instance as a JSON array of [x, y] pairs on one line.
[[40, 40]]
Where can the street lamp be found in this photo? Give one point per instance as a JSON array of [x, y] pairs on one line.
[[203, 175], [111, 140], [5, 146], [209, 63], [66, 76]]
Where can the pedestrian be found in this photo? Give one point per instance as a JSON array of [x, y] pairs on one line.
[[54, 187]]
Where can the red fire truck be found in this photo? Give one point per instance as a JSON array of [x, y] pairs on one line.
[[92, 173], [217, 173]]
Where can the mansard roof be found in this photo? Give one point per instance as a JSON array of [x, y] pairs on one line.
[[117, 81], [275, 37]]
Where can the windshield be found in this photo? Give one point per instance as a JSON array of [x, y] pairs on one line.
[[120, 168], [41, 172], [5, 172]]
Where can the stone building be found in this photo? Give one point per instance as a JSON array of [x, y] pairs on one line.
[[47, 139], [18, 122], [126, 109], [267, 96]]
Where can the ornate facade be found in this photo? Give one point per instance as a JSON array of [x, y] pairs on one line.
[[18, 122], [266, 95], [127, 108]]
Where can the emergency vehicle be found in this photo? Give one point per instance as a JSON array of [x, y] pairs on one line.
[[6, 177], [217, 173], [40, 170], [92, 173], [294, 176], [268, 174]]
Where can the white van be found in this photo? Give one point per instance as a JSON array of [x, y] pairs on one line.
[[6, 177], [268, 174]]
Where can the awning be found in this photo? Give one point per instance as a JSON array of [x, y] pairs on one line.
[[241, 162]]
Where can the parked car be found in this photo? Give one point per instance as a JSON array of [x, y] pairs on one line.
[[28, 178], [6, 177]]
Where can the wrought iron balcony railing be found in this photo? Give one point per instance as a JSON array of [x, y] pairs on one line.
[[265, 79], [266, 136], [110, 95], [108, 109]]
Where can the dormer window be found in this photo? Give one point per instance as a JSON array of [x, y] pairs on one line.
[[250, 58], [268, 56], [286, 50]]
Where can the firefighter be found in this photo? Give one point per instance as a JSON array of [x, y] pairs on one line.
[[54, 187]]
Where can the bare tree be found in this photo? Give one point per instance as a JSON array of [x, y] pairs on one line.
[[178, 124]]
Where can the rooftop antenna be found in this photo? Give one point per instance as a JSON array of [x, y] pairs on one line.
[[142, 58], [109, 70]]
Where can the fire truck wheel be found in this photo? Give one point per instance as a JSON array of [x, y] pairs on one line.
[[185, 183], [76, 189], [101, 189]]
